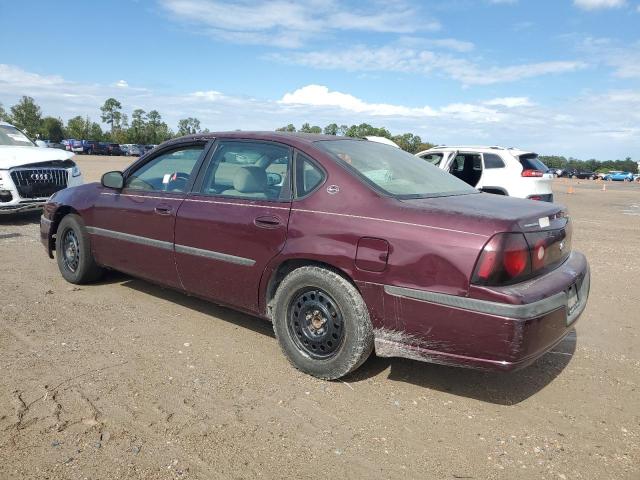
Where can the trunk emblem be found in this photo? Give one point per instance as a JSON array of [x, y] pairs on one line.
[[333, 189]]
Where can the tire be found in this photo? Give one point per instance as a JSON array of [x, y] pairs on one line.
[[73, 252], [339, 333]]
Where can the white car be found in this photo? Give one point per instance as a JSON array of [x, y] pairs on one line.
[[29, 174], [499, 170]]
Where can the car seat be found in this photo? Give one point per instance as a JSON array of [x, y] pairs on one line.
[[250, 181]]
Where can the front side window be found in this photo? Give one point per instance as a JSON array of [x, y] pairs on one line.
[[394, 171], [168, 172], [253, 170]]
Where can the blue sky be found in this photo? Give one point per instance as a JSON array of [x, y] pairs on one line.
[[554, 76]]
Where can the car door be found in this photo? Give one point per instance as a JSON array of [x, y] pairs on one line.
[[467, 167], [494, 172], [234, 221], [133, 228]]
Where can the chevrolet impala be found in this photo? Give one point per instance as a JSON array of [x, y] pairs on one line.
[[347, 246]]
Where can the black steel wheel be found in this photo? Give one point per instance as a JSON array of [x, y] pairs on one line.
[[73, 251], [70, 250], [315, 323], [321, 322]]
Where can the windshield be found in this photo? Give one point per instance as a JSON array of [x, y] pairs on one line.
[[13, 137], [394, 171]]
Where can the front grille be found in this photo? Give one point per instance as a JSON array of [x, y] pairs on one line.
[[39, 182]]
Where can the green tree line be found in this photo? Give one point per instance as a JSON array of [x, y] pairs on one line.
[[407, 141], [591, 165], [149, 128], [143, 128]]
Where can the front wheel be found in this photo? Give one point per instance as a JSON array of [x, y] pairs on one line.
[[73, 252], [322, 323]]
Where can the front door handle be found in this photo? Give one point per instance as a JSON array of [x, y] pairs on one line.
[[163, 210], [267, 221]]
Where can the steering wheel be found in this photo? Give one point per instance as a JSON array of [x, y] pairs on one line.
[[177, 182]]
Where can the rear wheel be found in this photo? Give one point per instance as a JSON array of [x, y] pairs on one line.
[[322, 323], [73, 252]]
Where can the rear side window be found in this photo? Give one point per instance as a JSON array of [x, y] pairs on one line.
[[530, 161], [308, 175], [251, 170], [491, 160]]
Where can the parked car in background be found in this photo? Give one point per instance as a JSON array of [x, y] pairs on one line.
[[90, 147], [581, 174], [497, 170], [618, 177], [52, 144], [114, 149], [134, 150], [30, 174], [346, 245], [385, 140], [76, 146]]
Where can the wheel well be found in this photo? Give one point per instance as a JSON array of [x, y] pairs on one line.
[[61, 212], [494, 191], [287, 267]]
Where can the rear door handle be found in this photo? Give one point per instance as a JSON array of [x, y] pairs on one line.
[[267, 221], [163, 210]]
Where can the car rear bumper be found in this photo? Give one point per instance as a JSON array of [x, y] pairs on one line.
[[485, 334]]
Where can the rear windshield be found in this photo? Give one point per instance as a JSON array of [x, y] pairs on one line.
[[530, 161], [13, 137], [394, 171]]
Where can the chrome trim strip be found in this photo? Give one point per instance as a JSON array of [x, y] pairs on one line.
[[127, 237], [224, 257], [518, 312], [152, 242]]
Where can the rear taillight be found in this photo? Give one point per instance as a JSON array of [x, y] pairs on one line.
[[504, 259], [514, 257], [532, 173]]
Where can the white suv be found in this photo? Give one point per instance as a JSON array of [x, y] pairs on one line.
[[499, 170], [29, 175]]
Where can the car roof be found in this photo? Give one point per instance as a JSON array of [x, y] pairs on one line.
[[478, 148], [299, 137]]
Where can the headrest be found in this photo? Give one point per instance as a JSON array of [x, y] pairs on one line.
[[250, 180]]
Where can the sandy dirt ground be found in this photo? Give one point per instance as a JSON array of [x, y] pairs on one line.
[[124, 379]]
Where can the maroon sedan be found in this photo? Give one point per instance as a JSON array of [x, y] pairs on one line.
[[345, 245]]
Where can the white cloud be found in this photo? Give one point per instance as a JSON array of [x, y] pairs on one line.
[[320, 96], [510, 102], [599, 4], [603, 125], [121, 84], [289, 24], [411, 60], [624, 59]]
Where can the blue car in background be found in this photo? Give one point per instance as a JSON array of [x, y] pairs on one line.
[[619, 177]]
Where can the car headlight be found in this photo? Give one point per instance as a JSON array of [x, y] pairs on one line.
[[75, 171]]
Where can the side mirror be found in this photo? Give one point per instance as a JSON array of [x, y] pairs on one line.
[[113, 180], [41, 144], [273, 179]]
